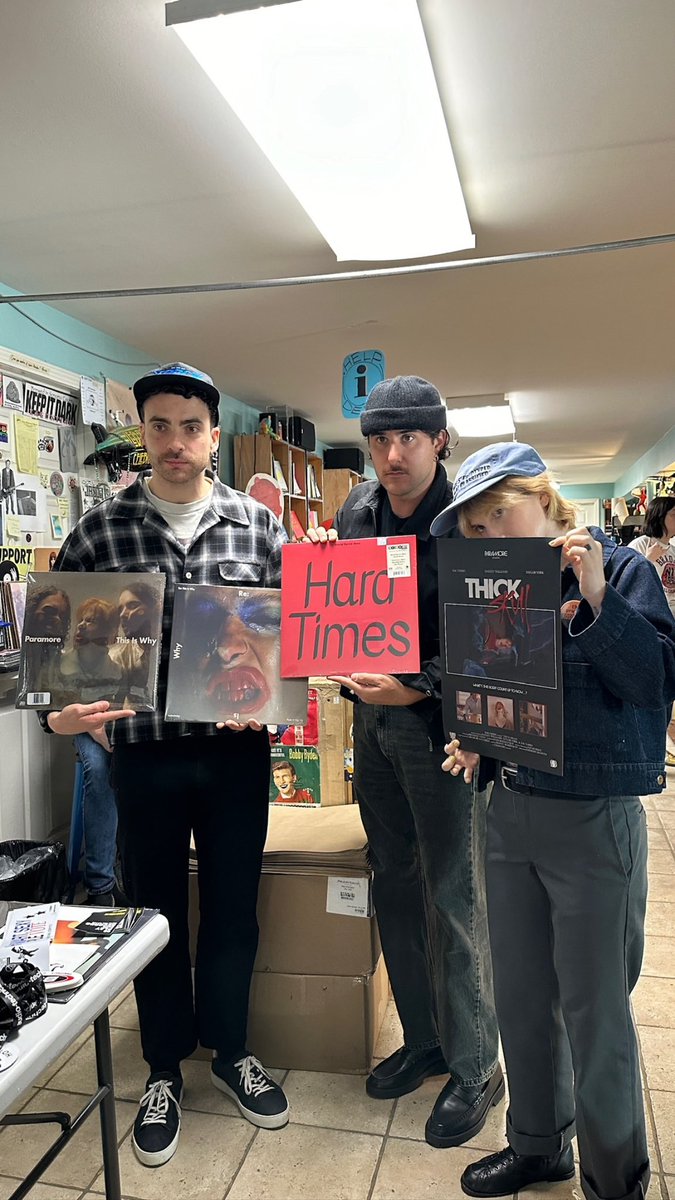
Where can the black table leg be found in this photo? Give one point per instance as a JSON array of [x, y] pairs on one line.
[[104, 1068]]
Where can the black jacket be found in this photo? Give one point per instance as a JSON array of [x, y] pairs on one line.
[[360, 517]]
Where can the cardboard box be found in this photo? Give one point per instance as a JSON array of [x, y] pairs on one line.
[[332, 719], [317, 1022], [298, 936]]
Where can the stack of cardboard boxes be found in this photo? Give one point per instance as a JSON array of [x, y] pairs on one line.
[[320, 987]]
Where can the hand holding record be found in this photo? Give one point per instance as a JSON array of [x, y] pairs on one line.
[[85, 718]]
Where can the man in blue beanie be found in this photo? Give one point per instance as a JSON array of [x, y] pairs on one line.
[[426, 830]]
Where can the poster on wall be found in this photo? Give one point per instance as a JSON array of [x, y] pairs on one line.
[[12, 393], [48, 447], [120, 405], [92, 396], [15, 562], [67, 449], [349, 606], [30, 500], [47, 405], [501, 657]]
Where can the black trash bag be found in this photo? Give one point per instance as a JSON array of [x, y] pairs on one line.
[[32, 871]]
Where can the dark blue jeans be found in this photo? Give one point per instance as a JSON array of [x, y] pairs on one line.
[[426, 831], [99, 814]]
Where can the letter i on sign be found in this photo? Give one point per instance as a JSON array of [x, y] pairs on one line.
[[360, 372]]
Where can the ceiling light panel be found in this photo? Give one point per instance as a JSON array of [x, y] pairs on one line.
[[341, 97]]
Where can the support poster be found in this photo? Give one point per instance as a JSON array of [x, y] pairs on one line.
[[501, 649]]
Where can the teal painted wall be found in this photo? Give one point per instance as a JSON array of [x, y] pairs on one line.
[[588, 491], [91, 354], [661, 455]]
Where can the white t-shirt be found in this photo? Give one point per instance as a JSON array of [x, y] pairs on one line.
[[182, 519], [664, 563]]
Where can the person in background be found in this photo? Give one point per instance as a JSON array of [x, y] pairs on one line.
[[657, 543], [426, 832], [567, 855], [172, 779], [99, 820]]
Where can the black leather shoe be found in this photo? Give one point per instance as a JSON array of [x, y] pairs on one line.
[[461, 1112], [504, 1173], [404, 1071]]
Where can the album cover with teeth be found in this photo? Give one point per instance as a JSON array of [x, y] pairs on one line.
[[225, 658], [91, 636]]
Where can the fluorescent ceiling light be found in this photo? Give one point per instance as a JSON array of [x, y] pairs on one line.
[[341, 97], [489, 421]]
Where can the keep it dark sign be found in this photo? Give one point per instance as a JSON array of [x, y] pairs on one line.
[[349, 606]]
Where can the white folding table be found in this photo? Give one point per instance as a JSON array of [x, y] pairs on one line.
[[39, 1043]]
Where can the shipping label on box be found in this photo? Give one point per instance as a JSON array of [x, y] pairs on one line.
[[348, 896]]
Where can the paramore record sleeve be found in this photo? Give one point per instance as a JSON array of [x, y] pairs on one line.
[[91, 636], [501, 656], [225, 658]]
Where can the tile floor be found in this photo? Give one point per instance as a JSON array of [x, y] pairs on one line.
[[339, 1145]]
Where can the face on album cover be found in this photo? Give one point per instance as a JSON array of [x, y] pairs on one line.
[[225, 658], [91, 636]]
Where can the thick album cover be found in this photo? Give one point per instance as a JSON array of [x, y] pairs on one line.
[[225, 658], [501, 648], [91, 636], [350, 606]]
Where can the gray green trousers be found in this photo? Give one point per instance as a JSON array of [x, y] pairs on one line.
[[567, 891]]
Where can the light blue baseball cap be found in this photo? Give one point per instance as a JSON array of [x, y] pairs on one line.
[[481, 471]]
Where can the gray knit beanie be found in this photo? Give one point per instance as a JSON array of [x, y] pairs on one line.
[[404, 402]]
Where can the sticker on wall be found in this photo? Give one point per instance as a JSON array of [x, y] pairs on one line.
[[360, 372], [56, 483], [12, 393]]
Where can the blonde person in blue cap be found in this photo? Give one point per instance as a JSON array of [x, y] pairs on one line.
[[567, 856]]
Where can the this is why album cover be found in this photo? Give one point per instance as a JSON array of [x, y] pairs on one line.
[[91, 636], [225, 658]]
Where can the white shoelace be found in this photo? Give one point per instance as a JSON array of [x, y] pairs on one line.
[[253, 1076], [158, 1096]]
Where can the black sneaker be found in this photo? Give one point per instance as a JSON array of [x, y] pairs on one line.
[[253, 1090], [157, 1125]]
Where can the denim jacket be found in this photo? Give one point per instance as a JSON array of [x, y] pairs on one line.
[[619, 682]]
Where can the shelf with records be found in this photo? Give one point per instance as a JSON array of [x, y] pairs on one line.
[[298, 477]]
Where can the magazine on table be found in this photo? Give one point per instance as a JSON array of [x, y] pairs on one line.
[[91, 636]]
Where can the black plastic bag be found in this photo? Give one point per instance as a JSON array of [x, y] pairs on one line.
[[32, 871]]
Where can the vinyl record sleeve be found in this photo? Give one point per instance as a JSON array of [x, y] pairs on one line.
[[501, 649], [91, 636], [225, 658]]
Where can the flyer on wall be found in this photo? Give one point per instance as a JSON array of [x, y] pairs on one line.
[[225, 658], [501, 652]]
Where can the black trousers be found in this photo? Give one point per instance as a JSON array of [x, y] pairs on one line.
[[216, 787], [567, 890]]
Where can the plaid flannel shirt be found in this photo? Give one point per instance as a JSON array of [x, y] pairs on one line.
[[238, 542]]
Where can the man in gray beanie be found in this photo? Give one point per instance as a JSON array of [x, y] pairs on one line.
[[426, 829]]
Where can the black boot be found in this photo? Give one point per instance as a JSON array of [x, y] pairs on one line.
[[461, 1112], [404, 1071], [504, 1173]]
